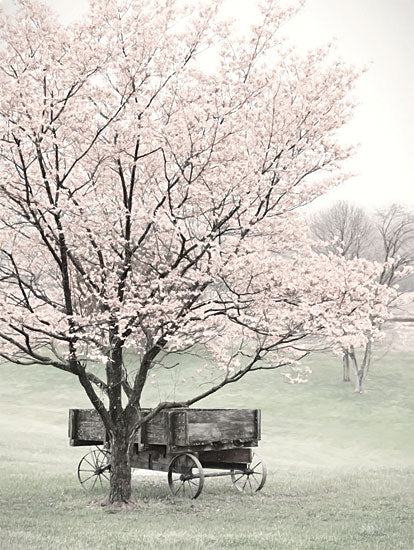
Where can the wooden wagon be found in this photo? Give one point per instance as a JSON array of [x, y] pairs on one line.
[[183, 442]]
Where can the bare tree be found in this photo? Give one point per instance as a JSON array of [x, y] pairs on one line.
[[395, 228], [346, 227]]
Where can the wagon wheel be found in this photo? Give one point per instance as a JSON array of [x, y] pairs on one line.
[[94, 468], [185, 476], [252, 478]]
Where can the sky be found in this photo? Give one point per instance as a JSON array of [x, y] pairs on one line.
[[377, 34]]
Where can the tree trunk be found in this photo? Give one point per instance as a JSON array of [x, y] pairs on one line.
[[359, 379], [361, 373], [359, 382], [346, 377], [120, 480], [120, 484]]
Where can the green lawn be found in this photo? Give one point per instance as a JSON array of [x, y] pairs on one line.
[[296, 510], [341, 468]]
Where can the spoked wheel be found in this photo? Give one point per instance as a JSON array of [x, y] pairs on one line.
[[185, 476], [252, 478], [94, 468]]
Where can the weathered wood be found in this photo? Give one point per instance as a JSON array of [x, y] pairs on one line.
[[207, 425], [73, 415], [223, 466], [156, 430], [153, 459], [177, 429], [258, 423], [85, 425], [215, 446], [226, 456], [85, 442]]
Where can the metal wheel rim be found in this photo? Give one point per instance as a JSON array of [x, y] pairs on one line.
[[253, 479], [181, 487], [93, 470]]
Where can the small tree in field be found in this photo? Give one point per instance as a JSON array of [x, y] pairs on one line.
[[347, 230], [387, 236], [148, 205], [344, 229]]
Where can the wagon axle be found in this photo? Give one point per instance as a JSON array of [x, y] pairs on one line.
[[100, 471], [222, 474]]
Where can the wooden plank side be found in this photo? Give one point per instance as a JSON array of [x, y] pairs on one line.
[[89, 426], [258, 424], [156, 432], [84, 443], [73, 413], [226, 456], [213, 446], [221, 425], [177, 428], [169, 427], [150, 460], [86, 425], [178, 425]]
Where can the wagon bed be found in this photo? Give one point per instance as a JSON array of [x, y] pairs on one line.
[[176, 429], [182, 442]]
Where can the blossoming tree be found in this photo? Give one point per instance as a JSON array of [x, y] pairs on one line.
[[149, 204], [386, 236]]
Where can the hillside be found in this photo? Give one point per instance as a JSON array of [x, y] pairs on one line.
[[340, 468], [322, 423]]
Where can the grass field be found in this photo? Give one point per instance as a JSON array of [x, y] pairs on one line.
[[341, 468]]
